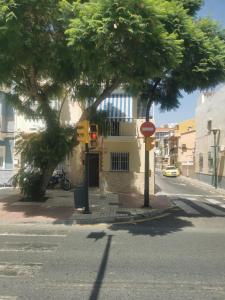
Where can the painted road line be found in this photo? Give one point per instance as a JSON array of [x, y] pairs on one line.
[[187, 208], [28, 247], [213, 201], [8, 297], [31, 235], [11, 270], [191, 199], [211, 209]]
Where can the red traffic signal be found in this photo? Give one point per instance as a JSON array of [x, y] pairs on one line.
[[93, 134]]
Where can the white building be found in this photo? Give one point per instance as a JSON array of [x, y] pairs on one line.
[[210, 136]]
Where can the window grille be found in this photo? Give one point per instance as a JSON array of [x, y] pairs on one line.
[[210, 162], [200, 162], [2, 157], [120, 161]]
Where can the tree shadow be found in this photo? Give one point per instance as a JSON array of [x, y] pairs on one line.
[[38, 211], [171, 222]]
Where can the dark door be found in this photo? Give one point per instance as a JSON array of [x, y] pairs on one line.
[[93, 169]]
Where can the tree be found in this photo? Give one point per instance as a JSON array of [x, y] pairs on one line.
[[51, 48], [153, 48], [35, 68]]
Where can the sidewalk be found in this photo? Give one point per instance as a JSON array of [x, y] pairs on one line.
[[59, 208], [205, 185]]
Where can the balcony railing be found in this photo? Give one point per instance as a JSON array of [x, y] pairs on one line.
[[121, 127]]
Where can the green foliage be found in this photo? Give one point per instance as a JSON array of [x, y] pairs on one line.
[[122, 40], [41, 152], [29, 182], [137, 42], [41, 149]]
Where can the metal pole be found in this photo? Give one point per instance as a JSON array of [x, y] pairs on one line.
[[146, 181], [146, 189], [86, 180], [215, 159]]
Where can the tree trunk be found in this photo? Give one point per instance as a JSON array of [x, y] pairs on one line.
[[47, 173]]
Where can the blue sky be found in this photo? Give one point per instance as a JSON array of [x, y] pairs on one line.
[[216, 10]]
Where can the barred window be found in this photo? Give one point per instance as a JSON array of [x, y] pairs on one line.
[[210, 162], [2, 157], [200, 162], [120, 161]]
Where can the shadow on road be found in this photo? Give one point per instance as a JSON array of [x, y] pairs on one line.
[[102, 269], [171, 223]]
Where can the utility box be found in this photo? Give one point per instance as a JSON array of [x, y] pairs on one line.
[[79, 196]]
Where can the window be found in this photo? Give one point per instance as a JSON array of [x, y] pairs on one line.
[[210, 162], [2, 157], [200, 162], [120, 161]]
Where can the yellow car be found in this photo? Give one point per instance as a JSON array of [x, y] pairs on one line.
[[171, 171]]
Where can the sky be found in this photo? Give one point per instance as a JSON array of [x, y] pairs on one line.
[[216, 10]]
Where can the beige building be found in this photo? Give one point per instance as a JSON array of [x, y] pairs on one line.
[[176, 145], [210, 138], [117, 164]]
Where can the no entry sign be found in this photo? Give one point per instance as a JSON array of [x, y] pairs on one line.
[[147, 129]]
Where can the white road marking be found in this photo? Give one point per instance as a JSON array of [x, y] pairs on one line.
[[187, 208], [30, 235], [211, 209], [191, 199], [8, 297], [213, 201]]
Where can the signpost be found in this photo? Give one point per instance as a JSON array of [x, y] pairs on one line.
[[147, 129]]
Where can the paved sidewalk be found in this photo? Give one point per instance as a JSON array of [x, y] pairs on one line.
[[205, 185], [59, 208]]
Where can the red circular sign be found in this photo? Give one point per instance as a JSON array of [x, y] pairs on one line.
[[147, 129]]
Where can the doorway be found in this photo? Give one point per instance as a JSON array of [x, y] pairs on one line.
[[93, 169]]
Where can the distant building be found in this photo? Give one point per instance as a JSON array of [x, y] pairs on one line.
[[186, 147], [210, 123], [162, 150], [175, 146]]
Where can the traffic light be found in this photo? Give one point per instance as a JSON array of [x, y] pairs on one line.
[[93, 135], [150, 143], [82, 131]]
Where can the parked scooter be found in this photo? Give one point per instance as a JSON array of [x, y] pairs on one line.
[[59, 178]]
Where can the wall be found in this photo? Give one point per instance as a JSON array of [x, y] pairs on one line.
[[210, 107], [132, 181], [186, 155]]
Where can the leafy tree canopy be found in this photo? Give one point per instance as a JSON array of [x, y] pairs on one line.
[[140, 42]]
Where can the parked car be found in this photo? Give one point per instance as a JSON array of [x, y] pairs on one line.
[[171, 171]]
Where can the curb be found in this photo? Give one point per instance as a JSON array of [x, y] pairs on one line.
[[117, 219], [99, 220]]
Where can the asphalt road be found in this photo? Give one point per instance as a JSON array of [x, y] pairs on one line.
[[180, 256]]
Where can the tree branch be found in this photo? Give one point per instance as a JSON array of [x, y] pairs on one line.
[[150, 97]]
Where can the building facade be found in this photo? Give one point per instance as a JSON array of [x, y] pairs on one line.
[[116, 165], [210, 138], [7, 129]]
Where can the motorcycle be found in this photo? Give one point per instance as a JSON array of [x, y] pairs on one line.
[[59, 178]]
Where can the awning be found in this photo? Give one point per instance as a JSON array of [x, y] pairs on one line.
[[118, 106]]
